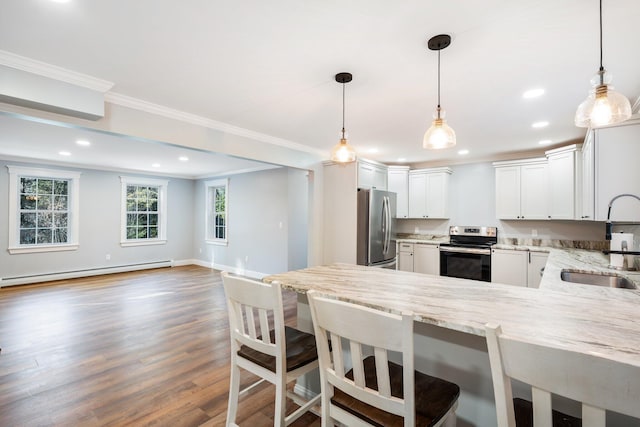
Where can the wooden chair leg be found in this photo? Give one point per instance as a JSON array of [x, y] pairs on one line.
[[234, 394]]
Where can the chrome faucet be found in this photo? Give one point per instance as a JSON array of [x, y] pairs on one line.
[[609, 226]]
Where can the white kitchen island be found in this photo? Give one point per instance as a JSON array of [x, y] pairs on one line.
[[450, 315]]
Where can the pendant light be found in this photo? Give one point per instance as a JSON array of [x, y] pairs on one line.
[[604, 106], [439, 135], [342, 152]]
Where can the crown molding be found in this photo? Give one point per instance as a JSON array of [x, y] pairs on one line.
[[53, 72], [161, 110]]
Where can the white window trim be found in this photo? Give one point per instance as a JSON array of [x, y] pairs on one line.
[[162, 204], [207, 185], [15, 172]]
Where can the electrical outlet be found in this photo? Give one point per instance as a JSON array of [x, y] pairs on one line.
[[246, 259], [534, 232], [108, 257], [416, 230], [200, 250]]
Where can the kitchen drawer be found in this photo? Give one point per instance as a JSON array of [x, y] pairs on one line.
[[405, 247]]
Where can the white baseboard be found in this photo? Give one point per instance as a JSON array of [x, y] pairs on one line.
[[304, 392], [48, 277], [234, 270]]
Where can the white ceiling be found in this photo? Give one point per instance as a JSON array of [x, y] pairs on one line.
[[269, 66]]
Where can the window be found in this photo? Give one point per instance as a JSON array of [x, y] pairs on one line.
[[217, 214], [144, 207], [43, 210]]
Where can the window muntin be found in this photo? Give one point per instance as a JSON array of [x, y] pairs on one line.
[[144, 211], [43, 209], [217, 211]]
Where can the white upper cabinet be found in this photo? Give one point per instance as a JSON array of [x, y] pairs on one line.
[[521, 189], [398, 182], [372, 175], [587, 202], [429, 193], [617, 158], [564, 175]]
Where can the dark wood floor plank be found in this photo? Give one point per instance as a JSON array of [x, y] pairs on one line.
[[143, 348]]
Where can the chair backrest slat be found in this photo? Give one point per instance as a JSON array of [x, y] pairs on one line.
[[356, 362], [541, 400], [264, 326], [382, 371], [338, 355], [363, 329], [251, 324], [599, 383]]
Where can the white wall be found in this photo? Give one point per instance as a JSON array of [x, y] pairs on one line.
[[472, 202], [99, 232], [267, 223]]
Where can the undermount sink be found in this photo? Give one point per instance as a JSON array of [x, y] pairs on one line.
[[608, 280]]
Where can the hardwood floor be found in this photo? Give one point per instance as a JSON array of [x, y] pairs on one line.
[[141, 348]]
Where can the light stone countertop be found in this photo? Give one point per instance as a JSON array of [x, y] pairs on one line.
[[583, 318]]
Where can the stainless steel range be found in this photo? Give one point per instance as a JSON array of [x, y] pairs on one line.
[[468, 253]]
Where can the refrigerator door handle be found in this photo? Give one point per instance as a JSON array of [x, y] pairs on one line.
[[386, 227]]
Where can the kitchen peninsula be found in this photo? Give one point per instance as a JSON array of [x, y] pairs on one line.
[[450, 315]]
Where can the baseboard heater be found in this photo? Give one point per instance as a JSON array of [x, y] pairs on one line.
[[48, 277]]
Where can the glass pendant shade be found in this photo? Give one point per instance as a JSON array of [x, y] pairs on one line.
[[603, 107], [439, 135], [342, 152]]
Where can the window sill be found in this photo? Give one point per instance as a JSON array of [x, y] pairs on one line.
[[217, 242], [36, 249], [128, 243]]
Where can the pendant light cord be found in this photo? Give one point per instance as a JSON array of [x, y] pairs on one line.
[[601, 67], [342, 110], [438, 109]]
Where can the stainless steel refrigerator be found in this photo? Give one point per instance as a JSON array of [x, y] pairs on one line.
[[376, 223]]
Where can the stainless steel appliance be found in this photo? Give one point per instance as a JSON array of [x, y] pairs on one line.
[[376, 223], [468, 253]]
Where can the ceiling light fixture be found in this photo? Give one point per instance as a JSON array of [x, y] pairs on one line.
[[604, 106], [539, 125], [183, 158], [64, 153], [83, 143], [155, 165], [342, 152], [533, 93], [439, 135], [545, 142], [463, 152]]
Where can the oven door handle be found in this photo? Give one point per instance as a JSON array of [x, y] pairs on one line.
[[465, 250]]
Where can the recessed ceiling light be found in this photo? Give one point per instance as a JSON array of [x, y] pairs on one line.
[[64, 153], [533, 93], [155, 165], [61, 1], [402, 159], [183, 158], [373, 150], [545, 142], [463, 152], [538, 125], [83, 142]]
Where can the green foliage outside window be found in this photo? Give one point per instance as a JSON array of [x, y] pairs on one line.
[[142, 212], [44, 211]]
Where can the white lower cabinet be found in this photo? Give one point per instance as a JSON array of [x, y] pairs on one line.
[[426, 258], [537, 261], [405, 256], [517, 267], [509, 267]]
